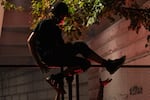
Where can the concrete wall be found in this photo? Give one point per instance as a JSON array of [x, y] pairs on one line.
[[13, 41], [113, 43], [29, 84], [128, 83]]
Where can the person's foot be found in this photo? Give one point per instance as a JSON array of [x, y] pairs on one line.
[[113, 65], [56, 81], [105, 82]]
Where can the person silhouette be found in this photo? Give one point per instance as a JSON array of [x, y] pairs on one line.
[[49, 49]]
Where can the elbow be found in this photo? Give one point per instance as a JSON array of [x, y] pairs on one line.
[[30, 38], [29, 41]]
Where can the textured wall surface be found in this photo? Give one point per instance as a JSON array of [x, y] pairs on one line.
[[128, 83], [115, 42], [29, 84]]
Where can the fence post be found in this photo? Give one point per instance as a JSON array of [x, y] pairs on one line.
[[77, 87], [69, 81], [62, 96]]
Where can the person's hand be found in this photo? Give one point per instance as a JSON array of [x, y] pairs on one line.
[[43, 67]]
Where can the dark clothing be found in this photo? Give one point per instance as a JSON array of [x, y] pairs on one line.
[[48, 35], [54, 51]]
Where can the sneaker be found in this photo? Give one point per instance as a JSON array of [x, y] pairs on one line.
[[113, 65], [56, 81]]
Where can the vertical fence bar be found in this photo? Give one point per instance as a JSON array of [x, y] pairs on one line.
[[70, 90], [77, 87], [62, 96], [69, 81]]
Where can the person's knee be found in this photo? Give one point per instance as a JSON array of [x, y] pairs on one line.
[[81, 45]]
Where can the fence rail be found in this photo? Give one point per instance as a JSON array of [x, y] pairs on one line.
[[70, 79], [36, 66]]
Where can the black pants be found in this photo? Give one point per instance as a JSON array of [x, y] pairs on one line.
[[67, 56]]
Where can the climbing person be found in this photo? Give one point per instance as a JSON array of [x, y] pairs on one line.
[[49, 49]]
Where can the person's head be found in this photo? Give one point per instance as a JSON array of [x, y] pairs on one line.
[[60, 10]]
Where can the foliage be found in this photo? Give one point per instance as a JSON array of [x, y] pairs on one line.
[[40, 10], [10, 6], [131, 11], [84, 13]]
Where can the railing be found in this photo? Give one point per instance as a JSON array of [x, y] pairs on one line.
[[69, 81], [71, 78]]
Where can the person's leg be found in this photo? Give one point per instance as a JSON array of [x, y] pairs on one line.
[[75, 65], [83, 49], [111, 65]]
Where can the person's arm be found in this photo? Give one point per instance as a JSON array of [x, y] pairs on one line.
[[31, 44]]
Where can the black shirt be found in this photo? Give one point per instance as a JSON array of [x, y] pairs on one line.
[[48, 37]]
